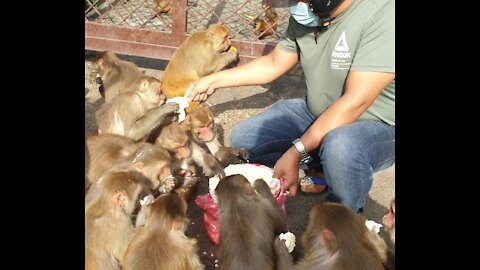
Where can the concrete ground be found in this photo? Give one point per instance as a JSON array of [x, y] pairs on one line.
[[230, 106]]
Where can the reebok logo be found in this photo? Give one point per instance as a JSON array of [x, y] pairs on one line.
[[341, 53]]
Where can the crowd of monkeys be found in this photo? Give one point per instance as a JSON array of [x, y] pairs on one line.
[[142, 165]]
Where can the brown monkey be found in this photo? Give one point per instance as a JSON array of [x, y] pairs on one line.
[[153, 162], [116, 75], [201, 54], [113, 153], [164, 6], [103, 152], [389, 221], [250, 220], [135, 114], [180, 143], [108, 226], [267, 25], [336, 238], [201, 124], [159, 241]]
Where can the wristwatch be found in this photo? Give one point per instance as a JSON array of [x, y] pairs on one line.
[[304, 157]]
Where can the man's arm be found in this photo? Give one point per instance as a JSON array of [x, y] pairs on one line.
[[361, 90], [259, 71]]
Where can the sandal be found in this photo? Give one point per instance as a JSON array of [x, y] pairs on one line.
[[313, 184]]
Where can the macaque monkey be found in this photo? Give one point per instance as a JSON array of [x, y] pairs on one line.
[[389, 221], [180, 143], [113, 153], [103, 152], [135, 114], [201, 124], [201, 54], [186, 179], [159, 241], [164, 6], [250, 221], [266, 26], [153, 162], [116, 75], [108, 226], [336, 238]]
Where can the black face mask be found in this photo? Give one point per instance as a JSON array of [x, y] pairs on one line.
[[323, 7]]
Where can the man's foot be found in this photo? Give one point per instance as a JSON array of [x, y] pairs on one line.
[[311, 184]]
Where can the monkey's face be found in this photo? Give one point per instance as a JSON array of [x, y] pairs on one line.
[[205, 133], [219, 35], [154, 93]]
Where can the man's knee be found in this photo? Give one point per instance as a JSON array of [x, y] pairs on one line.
[[340, 147]]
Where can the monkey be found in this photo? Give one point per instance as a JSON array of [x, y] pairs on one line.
[[153, 162], [201, 124], [135, 114], [250, 220], [180, 143], [388, 256], [104, 151], [389, 221], [116, 75], [159, 241], [266, 26], [108, 226], [113, 153], [164, 6], [186, 179], [335, 238], [201, 54]]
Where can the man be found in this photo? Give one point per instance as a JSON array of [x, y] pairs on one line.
[[347, 122]]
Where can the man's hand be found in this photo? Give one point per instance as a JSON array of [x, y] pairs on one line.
[[200, 90], [287, 168]]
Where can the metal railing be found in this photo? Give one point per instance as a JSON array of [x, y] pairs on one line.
[[135, 27]]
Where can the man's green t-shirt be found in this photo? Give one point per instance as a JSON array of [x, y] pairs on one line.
[[362, 38]]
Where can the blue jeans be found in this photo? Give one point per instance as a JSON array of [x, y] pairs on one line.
[[348, 155]]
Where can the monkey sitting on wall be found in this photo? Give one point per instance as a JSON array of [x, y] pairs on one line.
[[164, 6], [201, 54], [267, 25]]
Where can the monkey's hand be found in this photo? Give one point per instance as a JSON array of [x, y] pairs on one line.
[[170, 112], [183, 104], [241, 153], [147, 200], [373, 226], [167, 185], [289, 240], [284, 259]]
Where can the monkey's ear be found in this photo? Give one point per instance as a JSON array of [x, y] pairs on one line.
[[186, 122], [144, 84], [210, 33], [179, 224], [247, 188], [119, 197], [100, 63], [328, 237], [139, 166]]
